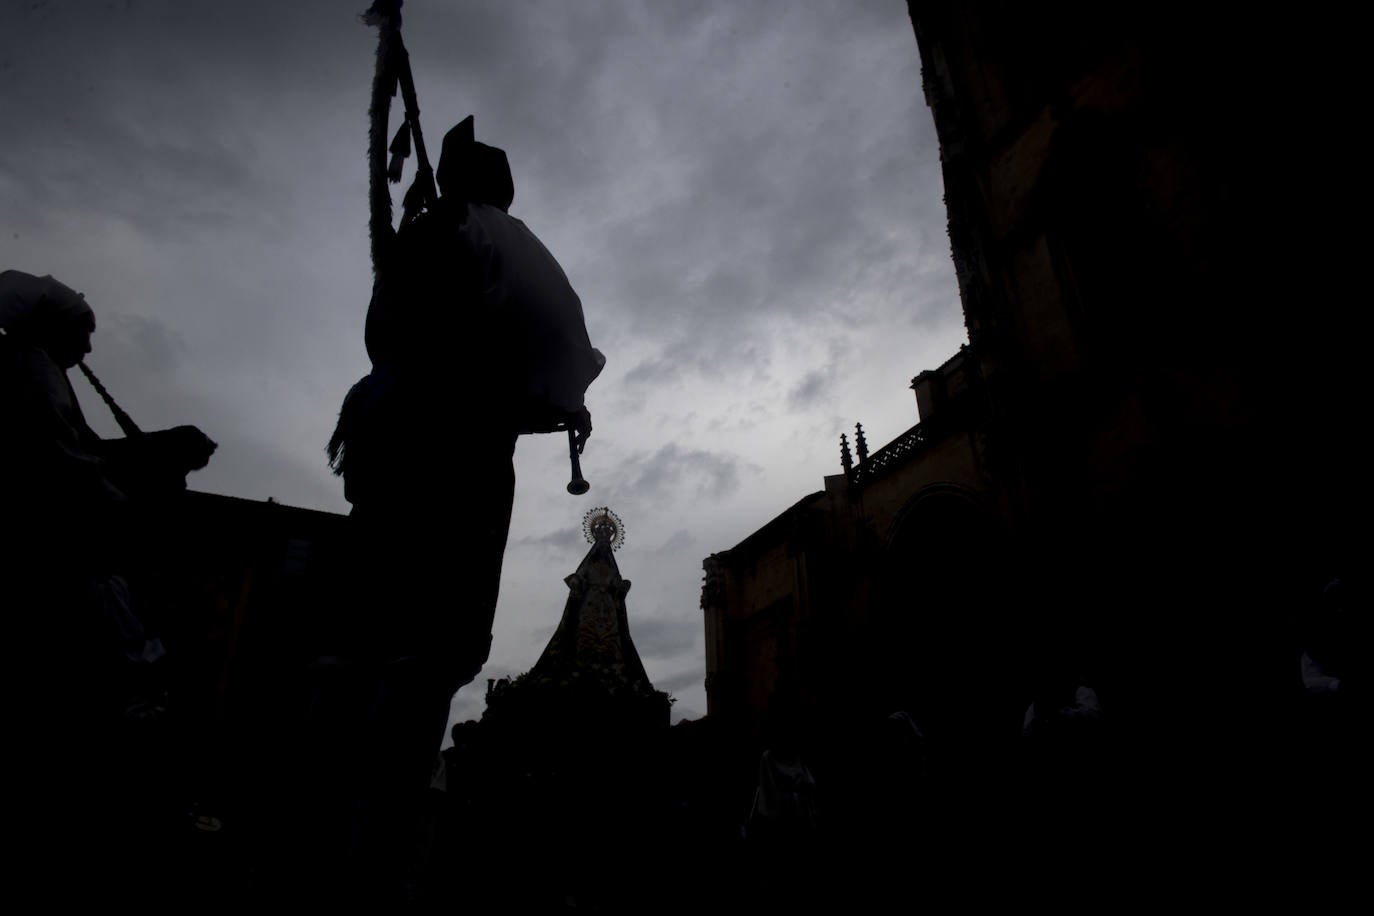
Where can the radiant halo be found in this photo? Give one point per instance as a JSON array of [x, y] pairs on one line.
[[601, 524]]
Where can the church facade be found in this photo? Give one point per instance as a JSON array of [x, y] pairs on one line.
[[822, 609], [1097, 490]]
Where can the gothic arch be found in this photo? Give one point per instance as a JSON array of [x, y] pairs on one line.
[[935, 496]]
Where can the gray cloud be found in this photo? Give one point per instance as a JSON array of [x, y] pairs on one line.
[[560, 540], [677, 470], [679, 541], [657, 637], [139, 339], [687, 356], [680, 681], [808, 390]]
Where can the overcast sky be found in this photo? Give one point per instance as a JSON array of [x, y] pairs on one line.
[[746, 195]]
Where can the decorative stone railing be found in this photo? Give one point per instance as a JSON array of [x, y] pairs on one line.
[[889, 456]]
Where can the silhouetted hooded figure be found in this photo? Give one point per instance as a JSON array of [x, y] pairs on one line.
[[49, 447], [60, 476], [473, 309], [80, 668], [68, 493], [472, 171], [475, 336]]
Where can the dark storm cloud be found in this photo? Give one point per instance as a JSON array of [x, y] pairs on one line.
[[777, 180], [690, 355], [559, 540], [136, 338], [678, 471], [677, 542], [735, 168], [657, 637], [808, 390], [158, 184], [726, 158], [680, 681], [164, 107]]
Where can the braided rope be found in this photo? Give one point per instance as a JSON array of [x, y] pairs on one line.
[[379, 110]]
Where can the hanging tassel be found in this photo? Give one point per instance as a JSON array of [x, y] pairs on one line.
[[413, 202], [401, 142], [400, 151]]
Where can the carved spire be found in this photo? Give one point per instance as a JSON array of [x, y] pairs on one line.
[[846, 459], [860, 442]]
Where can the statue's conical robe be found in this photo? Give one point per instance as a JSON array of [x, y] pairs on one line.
[[595, 630]]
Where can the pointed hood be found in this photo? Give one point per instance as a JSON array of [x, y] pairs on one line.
[[473, 171]]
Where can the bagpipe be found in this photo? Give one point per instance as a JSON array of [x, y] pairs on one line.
[[151, 463], [393, 74]]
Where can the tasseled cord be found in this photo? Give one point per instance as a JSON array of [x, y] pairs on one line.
[[385, 16], [348, 427]]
